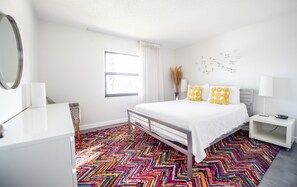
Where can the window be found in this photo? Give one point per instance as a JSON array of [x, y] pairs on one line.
[[121, 74]]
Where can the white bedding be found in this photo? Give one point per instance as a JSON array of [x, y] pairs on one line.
[[206, 121]]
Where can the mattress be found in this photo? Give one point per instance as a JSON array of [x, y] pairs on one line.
[[206, 121]]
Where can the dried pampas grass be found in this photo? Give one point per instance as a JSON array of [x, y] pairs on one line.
[[176, 75]]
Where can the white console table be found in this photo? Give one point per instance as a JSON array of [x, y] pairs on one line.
[[39, 149], [276, 131]]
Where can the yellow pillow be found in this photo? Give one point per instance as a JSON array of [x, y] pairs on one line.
[[220, 96], [194, 93]]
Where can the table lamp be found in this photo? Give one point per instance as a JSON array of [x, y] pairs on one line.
[[184, 85], [265, 90]]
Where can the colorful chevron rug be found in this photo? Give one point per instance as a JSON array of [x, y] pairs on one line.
[[111, 157]]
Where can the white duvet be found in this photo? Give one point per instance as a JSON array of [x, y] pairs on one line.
[[206, 121]]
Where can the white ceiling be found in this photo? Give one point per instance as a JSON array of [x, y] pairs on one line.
[[172, 23]]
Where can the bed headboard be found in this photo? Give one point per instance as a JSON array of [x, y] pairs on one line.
[[247, 97]]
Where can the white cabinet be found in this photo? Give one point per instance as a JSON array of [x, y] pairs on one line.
[[276, 131], [39, 149]]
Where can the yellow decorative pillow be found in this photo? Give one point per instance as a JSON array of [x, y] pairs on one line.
[[194, 93], [220, 96]]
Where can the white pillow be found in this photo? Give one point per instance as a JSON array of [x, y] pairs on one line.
[[234, 97], [205, 91]]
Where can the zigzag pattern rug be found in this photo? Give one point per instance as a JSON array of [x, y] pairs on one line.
[[111, 157]]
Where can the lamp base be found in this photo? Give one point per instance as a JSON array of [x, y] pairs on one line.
[[176, 95], [264, 115]]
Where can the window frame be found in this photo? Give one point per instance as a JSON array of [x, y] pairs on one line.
[[116, 73]]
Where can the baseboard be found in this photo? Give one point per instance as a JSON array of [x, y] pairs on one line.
[[102, 124]]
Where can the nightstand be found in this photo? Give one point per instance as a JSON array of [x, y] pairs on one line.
[[272, 130]]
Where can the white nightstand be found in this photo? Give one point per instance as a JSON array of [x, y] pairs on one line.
[[276, 131]]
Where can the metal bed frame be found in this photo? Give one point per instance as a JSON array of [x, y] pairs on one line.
[[141, 120]]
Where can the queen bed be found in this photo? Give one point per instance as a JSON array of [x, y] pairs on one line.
[[196, 125]]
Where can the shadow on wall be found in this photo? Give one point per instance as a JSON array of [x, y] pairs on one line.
[[283, 87], [26, 95], [284, 96], [282, 99]]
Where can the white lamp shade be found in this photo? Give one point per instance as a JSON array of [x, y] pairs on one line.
[[38, 95], [184, 85], [266, 86]]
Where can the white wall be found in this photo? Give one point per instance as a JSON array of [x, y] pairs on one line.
[[13, 101], [266, 48], [72, 66]]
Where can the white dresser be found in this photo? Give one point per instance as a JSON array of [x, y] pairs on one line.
[[39, 149]]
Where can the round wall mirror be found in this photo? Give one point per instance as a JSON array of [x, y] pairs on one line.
[[11, 53]]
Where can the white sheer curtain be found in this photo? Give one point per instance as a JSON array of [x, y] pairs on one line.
[[151, 76]]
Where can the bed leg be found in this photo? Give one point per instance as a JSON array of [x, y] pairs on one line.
[[129, 123], [190, 155], [190, 161], [129, 128]]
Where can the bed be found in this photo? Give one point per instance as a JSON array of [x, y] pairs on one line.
[[183, 122]]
